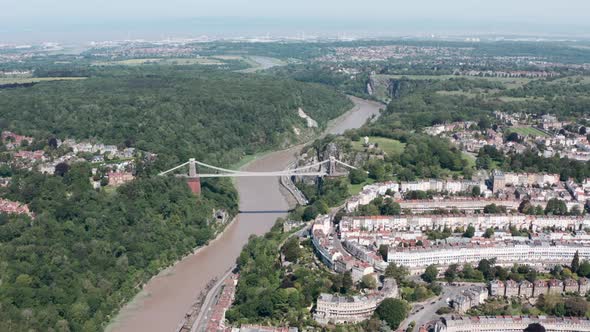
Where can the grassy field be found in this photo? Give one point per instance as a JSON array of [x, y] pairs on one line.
[[389, 146], [228, 57], [127, 62], [507, 99], [469, 94], [192, 61], [528, 131], [489, 94], [24, 80], [572, 80], [257, 63], [354, 189]]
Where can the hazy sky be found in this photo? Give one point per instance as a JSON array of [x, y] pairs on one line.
[[60, 19], [562, 11]]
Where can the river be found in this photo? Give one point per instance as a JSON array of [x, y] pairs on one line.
[[165, 299]]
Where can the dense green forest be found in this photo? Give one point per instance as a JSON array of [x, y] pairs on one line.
[[213, 116], [317, 73], [86, 253], [266, 292]]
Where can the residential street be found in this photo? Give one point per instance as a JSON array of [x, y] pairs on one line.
[[424, 312]]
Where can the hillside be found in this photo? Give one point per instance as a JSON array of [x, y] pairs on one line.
[[213, 116]]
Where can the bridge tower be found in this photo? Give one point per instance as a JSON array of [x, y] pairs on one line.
[[332, 166], [193, 180]]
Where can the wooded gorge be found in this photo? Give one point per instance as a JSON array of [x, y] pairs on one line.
[[86, 253]]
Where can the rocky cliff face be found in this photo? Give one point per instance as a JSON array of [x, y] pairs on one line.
[[339, 148], [370, 89], [397, 88], [394, 89]]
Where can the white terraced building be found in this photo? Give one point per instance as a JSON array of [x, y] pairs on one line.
[[510, 323], [338, 309], [540, 255], [353, 226], [450, 186], [462, 204]]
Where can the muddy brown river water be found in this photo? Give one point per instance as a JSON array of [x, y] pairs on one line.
[[165, 299]]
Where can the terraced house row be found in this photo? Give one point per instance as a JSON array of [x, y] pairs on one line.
[[509, 323], [527, 289], [541, 255], [352, 226]]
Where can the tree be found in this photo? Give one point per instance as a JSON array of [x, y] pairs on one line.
[[500, 272], [357, 176], [310, 212], [483, 123], [5, 170], [575, 267], [392, 311], [486, 267], [291, 250], [383, 249], [484, 162], [513, 137], [488, 233], [559, 310], [584, 269], [52, 143], [420, 294], [436, 288], [525, 207], [430, 273], [373, 324], [567, 273], [469, 232], [61, 169], [398, 272], [377, 170], [557, 207], [476, 191], [556, 270], [452, 272], [390, 207], [535, 327], [321, 206], [346, 282], [336, 280], [575, 211], [104, 182], [471, 274], [417, 194], [368, 281], [515, 276], [576, 306], [494, 209]]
